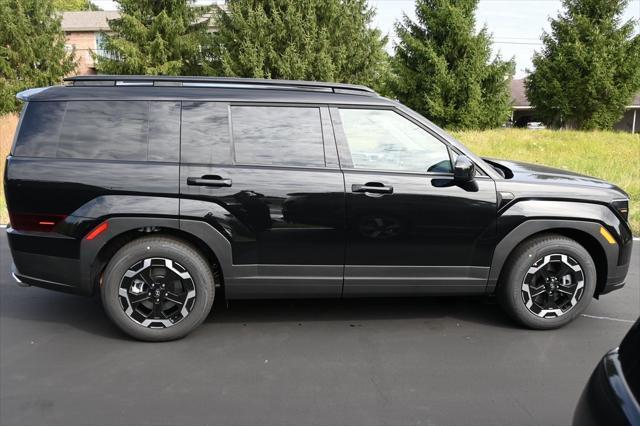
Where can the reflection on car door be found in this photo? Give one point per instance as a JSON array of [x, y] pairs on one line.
[[265, 179], [410, 228]]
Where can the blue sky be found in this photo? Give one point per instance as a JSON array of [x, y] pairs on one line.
[[516, 25]]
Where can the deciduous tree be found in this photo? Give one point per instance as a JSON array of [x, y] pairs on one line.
[[74, 5]]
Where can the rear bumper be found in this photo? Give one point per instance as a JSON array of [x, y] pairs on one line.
[[607, 399], [27, 281], [50, 263]]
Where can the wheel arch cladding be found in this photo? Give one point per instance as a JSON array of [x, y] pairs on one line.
[[130, 233], [581, 232]]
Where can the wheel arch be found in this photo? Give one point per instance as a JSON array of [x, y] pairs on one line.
[[125, 230], [580, 231]]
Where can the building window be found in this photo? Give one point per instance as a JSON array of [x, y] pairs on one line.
[[100, 45]]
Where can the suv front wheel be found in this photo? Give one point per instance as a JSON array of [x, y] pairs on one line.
[[157, 288], [548, 281]]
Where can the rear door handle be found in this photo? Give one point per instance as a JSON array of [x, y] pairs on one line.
[[373, 188], [209, 180]]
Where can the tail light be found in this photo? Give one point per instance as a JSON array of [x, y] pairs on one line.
[[622, 207], [35, 221]]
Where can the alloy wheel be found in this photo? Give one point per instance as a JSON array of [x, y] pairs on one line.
[[553, 285], [157, 292]]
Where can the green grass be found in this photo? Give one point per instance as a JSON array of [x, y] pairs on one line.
[[612, 156]]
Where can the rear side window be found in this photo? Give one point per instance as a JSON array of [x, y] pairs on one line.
[[107, 130], [286, 136]]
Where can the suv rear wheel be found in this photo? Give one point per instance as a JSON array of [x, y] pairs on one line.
[[548, 281], [157, 288]]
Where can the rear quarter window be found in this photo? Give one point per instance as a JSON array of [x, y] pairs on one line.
[[106, 130]]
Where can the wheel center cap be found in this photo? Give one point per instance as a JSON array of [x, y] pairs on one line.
[[157, 293]]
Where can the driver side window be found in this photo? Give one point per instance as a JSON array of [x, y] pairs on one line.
[[385, 140]]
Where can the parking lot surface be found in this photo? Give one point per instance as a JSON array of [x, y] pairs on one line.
[[430, 361]]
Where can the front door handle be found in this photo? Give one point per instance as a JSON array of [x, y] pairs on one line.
[[373, 188], [209, 180]]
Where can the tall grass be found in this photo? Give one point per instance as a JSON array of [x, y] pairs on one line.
[[612, 156]]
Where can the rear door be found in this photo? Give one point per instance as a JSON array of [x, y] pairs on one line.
[[411, 228], [267, 177]]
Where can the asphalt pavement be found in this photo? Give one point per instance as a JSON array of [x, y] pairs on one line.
[[429, 361]]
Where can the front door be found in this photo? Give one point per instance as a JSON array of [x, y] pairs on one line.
[[261, 175], [410, 228]]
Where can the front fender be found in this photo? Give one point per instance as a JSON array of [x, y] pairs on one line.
[[525, 218]]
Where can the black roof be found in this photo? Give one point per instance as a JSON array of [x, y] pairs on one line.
[[187, 81]]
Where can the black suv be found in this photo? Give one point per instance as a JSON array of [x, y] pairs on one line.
[[159, 192]]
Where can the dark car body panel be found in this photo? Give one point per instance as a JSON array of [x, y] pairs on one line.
[[612, 394], [285, 231]]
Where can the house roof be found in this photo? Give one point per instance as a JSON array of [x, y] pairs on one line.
[[519, 95], [88, 20], [98, 20]]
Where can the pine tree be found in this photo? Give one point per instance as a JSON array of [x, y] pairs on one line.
[[443, 67], [159, 37], [32, 49], [327, 40], [589, 67]]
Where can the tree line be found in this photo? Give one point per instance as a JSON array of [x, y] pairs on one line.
[[442, 65]]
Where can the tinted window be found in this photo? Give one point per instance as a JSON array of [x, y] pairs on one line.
[[40, 129], [205, 133], [110, 130], [289, 136], [384, 140], [164, 131]]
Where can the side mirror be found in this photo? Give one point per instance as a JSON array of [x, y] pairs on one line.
[[464, 169]]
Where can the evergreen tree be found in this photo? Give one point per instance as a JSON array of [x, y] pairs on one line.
[[32, 51], [327, 40], [157, 37], [589, 67], [443, 67]]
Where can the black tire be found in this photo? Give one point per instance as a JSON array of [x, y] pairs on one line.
[[515, 297], [182, 256]]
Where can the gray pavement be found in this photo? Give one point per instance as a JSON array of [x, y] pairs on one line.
[[433, 361]]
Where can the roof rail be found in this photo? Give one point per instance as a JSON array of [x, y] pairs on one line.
[[256, 83]]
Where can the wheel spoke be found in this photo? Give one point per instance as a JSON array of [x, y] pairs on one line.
[[551, 302], [543, 272], [176, 298], [156, 312], [137, 298], [537, 292], [567, 289]]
